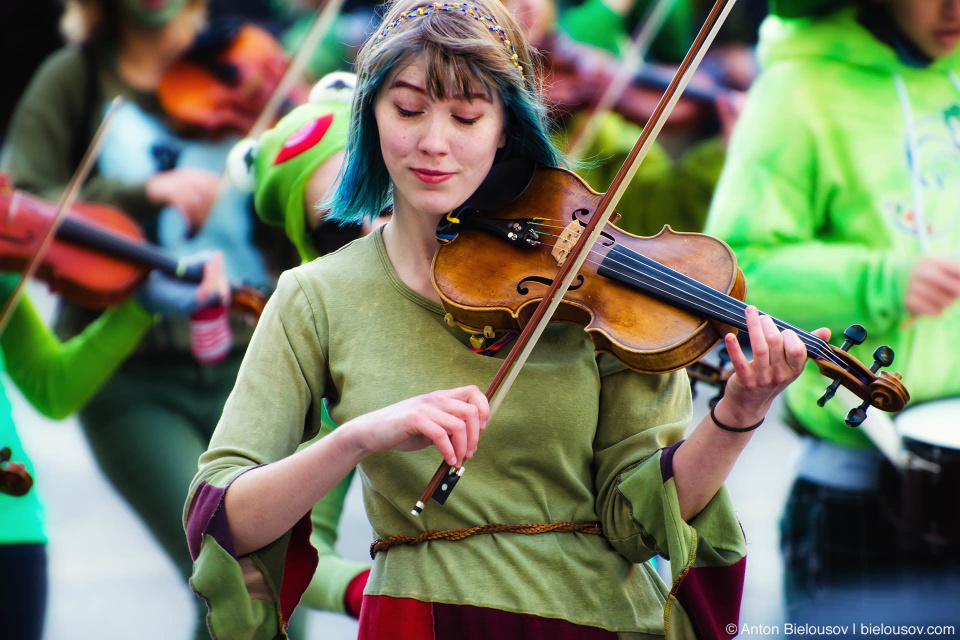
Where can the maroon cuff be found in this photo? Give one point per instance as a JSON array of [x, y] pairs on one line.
[[354, 595], [666, 460], [207, 516]]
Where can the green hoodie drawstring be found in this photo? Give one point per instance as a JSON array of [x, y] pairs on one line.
[[919, 217]]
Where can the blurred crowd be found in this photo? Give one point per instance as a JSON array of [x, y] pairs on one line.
[[820, 140]]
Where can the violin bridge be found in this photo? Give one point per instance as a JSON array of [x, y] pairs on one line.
[[565, 242]]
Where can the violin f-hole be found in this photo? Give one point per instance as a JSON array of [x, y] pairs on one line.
[[583, 216], [27, 238], [522, 290]]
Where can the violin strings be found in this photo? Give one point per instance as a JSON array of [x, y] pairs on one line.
[[810, 341], [738, 308], [724, 307]]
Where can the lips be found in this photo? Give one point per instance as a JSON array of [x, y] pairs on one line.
[[431, 176], [948, 34]]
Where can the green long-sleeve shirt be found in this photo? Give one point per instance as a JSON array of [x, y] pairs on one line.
[[57, 378]]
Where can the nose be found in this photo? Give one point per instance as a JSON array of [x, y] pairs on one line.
[[433, 137]]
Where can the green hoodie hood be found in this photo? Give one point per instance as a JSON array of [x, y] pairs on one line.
[[843, 170], [837, 37]]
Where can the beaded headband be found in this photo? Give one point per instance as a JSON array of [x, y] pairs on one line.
[[462, 7]]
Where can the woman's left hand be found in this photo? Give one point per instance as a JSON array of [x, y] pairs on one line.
[[778, 358]]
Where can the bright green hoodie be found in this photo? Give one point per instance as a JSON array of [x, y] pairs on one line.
[[819, 199]]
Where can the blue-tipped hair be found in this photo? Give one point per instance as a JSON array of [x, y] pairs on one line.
[[458, 52]]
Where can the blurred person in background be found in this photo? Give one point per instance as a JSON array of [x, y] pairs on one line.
[[840, 197], [58, 379], [153, 418]]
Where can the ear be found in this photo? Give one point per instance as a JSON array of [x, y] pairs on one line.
[[503, 140]]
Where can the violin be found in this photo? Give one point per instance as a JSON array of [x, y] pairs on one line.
[[657, 304], [15, 480], [99, 255], [222, 84]]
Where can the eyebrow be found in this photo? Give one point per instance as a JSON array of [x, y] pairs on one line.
[[403, 84]]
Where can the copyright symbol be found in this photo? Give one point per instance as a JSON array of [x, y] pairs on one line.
[[732, 629]]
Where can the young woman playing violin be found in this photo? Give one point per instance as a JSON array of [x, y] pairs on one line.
[[443, 90], [59, 378]]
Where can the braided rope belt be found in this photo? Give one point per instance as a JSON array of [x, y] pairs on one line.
[[459, 534]]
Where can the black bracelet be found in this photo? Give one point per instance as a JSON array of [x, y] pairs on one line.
[[713, 417]]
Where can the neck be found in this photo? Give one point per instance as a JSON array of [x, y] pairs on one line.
[[878, 22], [411, 241]]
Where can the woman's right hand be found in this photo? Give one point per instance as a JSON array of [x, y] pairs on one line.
[[451, 419], [191, 191]]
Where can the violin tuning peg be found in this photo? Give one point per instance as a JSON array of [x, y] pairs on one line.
[[882, 357], [829, 393], [855, 417], [5, 454], [854, 334]]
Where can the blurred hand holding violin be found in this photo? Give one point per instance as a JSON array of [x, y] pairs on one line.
[[100, 257], [191, 191]]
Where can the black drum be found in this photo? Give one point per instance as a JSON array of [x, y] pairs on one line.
[[924, 499]]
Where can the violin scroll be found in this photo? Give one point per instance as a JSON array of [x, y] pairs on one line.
[[884, 391], [15, 480]]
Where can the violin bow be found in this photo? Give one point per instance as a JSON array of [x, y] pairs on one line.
[[318, 30], [630, 63], [537, 323], [67, 199]]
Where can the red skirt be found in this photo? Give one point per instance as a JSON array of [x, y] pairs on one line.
[[386, 618]]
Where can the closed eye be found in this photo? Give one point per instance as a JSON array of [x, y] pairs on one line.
[[466, 121], [408, 114]]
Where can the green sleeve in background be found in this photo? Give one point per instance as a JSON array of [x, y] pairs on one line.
[[594, 23], [328, 588], [771, 206], [804, 8], [59, 378]]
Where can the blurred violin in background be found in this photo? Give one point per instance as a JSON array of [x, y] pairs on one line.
[[576, 76], [99, 255], [222, 84]]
